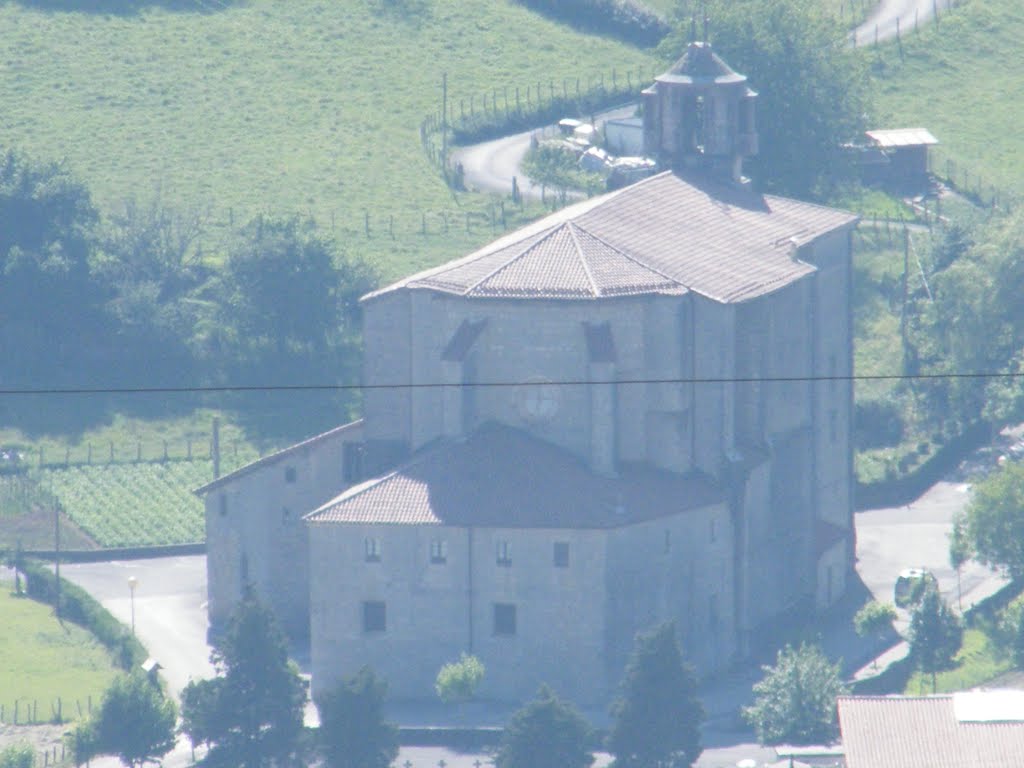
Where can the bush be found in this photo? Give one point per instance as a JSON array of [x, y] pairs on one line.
[[877, 424], [459, 680], [17, 756], [78, 606]]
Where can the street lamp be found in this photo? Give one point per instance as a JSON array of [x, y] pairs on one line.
[[132, 583]]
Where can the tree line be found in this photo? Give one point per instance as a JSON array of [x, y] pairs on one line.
[[131, 300]]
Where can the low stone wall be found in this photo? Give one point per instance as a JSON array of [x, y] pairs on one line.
[[121, 553]]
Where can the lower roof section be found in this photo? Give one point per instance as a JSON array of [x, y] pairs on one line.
[[505, 478]]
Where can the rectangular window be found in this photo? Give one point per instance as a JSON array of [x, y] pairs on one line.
[[561, 554], [503, 553], [375, 617], [714, 533], [668, 541], [290, 474], [372, 550], [222, 504], [504, 619], [438, 551]]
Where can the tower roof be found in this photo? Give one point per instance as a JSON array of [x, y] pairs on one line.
[[667, 234], [701, 66]]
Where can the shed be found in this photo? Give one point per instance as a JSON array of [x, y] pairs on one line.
[[907, 150]]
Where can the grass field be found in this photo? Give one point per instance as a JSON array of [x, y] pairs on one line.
[[232, 109], [978, 661], [958, 80], [42, 660]]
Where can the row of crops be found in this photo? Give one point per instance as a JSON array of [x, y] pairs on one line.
[[128, 505]]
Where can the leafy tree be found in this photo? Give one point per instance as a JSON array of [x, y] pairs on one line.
[[935, 634], [353, 732], [135, 722], [458, 680], [795, 702], [17, 756], [995, 519], [874, 619], [546, 733], [813, 88], [251, 713], [657, 716]]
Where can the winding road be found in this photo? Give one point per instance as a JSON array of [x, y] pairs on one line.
[[491, 166]]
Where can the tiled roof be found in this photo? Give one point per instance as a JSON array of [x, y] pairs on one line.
[[665, 234], [273, 458], [700, 64], [923, 732], [503, 477]]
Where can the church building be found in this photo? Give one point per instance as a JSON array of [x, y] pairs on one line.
[[636, 409]]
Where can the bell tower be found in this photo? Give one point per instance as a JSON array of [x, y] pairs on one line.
[[700, 114]]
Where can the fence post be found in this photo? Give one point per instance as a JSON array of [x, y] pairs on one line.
[[40, 455], [391, 226], [111, 461], [67, 457], [467, 221], [88, 454], [423, 223], [188, 448], [366, 222]]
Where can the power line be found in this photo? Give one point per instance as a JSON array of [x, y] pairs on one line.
[[496, 384]]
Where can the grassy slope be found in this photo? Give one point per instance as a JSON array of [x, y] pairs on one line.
[[978, 661], [302, 106], [41, 660], [959, 80]]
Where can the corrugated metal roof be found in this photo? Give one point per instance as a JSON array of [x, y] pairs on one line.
[[902, 137], [665, 234], [923, 732], [503, 477]]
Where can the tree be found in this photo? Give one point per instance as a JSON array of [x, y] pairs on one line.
[[546, 733], [251, 713], [656, 719], [17, 756], [959, 552], [134, 722], [14, 558], [795, 702], [353, 733], [995, 519], [812, 87], [874, 619], [458, 680], [935, 634]]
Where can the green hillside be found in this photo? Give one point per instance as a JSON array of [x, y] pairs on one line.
[[960, 79], [231, 109]]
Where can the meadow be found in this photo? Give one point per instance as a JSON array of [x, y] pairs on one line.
[[43, 660], [304, 107]]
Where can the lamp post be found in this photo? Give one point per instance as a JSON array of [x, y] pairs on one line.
[[132, 583]]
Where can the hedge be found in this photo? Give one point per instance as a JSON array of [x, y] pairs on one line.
[[625, 20], [78, 606]]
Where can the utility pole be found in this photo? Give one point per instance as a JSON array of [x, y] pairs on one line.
[[56, 549], [903, 312]]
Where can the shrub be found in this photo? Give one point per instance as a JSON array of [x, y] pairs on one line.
[[458, 680], [624, 20], [78, 606], [17, 756]]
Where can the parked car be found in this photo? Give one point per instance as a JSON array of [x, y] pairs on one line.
[[911, 584]]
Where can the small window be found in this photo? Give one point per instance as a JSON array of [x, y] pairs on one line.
[[561, 554], [243, 569], [714, 533], [222, 504], [438, 551], [374, 616], [286, 514], [372, 550], [668, 541], [504, 619], [289, 474], [503, 553]]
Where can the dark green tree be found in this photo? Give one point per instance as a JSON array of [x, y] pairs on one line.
[[874, 619], [251, 714], [134, 722], [936, 634], [813, 88], [353, 732], [959, 551], [795, 702], [656, 718], [995, 519], [546, 733]]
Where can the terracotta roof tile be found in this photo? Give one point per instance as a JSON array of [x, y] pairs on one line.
[[503, 477], [923, 732], [666, 234]]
